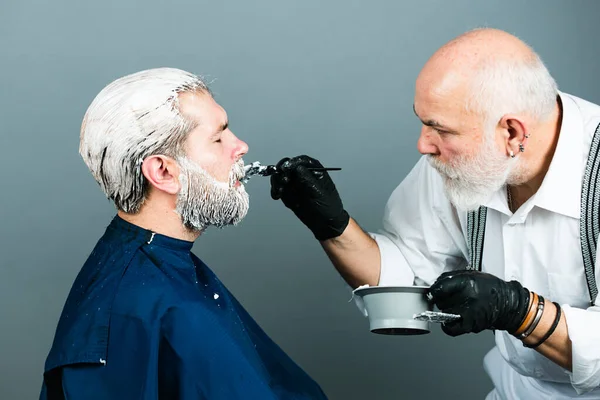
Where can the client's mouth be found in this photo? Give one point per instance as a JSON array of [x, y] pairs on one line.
[[236, 180]]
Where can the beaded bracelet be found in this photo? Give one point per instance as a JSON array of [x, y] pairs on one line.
[[550, 331]]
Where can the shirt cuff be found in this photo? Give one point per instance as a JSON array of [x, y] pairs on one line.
[[584, 332], [394, 270]]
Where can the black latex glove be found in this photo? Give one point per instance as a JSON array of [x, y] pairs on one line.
[[483, 300], [312, 196]]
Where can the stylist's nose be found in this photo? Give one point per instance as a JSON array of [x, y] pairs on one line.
[[426, 143]]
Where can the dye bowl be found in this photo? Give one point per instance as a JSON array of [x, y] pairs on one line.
[[390, 309]]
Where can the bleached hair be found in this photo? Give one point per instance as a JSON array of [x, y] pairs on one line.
[[134, 117]]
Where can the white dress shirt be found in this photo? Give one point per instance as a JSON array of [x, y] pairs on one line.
[[423, 235]]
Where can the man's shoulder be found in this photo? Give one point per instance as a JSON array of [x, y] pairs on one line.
[[145, 281], [150, 283], [578, 100], [588, 109]]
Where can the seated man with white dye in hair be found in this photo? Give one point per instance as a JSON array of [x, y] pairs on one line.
[[146, 318]]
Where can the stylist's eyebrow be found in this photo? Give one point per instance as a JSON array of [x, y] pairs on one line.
[[431, 122]]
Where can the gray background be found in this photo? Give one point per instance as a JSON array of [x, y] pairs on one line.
[[333, 79]]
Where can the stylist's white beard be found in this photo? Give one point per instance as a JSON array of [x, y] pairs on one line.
[[470, 182], [203, 201]]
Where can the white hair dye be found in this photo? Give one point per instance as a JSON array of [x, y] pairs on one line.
[[203, 201], [252, 169], [134, 117]]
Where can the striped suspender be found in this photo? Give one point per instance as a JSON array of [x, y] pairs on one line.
[[589, 225], [475, 236]]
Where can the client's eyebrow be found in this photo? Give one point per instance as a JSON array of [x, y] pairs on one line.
[[223, 126], [220, 129]]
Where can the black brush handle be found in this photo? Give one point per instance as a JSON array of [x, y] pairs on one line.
[[271, 169]]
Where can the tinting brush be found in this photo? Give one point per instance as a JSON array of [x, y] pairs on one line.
[[267, 170]]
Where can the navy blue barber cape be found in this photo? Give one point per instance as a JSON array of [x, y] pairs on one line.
[[147, 319]]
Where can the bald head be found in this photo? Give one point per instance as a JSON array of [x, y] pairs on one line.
[[456, 64], [472, 48], [487, 71]]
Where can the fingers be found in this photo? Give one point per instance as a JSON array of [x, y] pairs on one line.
[[280, 165], [305, 178], [287, 165], [447, 285], [454, 289], [279, 180], [276, 186], [295, 170], [454, 328], [309, 161]]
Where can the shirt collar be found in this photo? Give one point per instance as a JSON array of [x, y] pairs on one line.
[[560, 191]]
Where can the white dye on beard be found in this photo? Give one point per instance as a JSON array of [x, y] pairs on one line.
[[203, 201]]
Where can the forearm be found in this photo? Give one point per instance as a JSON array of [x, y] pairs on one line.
[[557, 347], [355, 255]]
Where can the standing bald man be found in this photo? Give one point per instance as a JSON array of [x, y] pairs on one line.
[[495, 216]]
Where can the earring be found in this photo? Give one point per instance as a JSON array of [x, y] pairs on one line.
[[512, 155], [521, 147], [527, 136]]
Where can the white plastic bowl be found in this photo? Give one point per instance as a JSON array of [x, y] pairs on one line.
[[391, 309]]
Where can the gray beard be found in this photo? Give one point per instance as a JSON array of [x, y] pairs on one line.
[[471, 182], [203, 201]]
